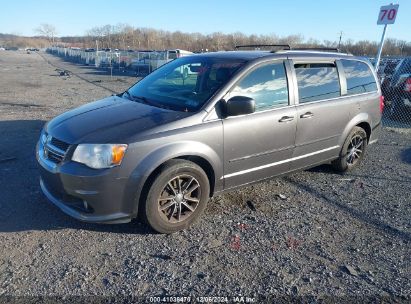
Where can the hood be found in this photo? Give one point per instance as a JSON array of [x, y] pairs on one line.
[[112, 119]]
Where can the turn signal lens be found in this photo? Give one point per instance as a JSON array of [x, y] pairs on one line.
[[118, 152]]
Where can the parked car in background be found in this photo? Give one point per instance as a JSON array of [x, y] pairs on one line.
[[162, 148], [140, 63], [386, 71], [159, 58], [148, 61], [398, 88]]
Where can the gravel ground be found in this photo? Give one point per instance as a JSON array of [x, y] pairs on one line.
[[312, 234]]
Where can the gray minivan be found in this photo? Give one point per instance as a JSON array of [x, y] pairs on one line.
[[161, 149]]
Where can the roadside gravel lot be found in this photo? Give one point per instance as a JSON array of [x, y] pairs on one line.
[[313, 233]]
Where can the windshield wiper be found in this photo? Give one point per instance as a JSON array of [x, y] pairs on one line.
[[146, 101], [137, 98], [129, 95], [142, 98], [150, 102]]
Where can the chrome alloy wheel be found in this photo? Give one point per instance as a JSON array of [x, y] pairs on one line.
[[355, 149], [179, 198]]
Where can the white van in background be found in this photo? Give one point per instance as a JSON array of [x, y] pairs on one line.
[[144, 62], [173, 54]]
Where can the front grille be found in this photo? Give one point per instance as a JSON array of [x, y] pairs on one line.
[[54, 157], [59, 144], [55, 150]]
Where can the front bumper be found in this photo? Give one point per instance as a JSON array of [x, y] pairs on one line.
[[86, 194]]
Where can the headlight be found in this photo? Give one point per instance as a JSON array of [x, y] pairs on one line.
[[98, 156], [43, 138]]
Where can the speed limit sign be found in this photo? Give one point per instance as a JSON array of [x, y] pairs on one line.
[[387, 14]]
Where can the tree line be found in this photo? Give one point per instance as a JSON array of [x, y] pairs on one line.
[[124, 36]]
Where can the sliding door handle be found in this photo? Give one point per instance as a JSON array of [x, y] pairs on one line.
[[286, 118], [307, 115]]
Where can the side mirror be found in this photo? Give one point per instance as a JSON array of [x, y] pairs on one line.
[[240, 105]]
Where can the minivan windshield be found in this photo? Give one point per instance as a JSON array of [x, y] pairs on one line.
[[184, 84]]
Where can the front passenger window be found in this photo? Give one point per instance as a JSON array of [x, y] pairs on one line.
[[267, 85]]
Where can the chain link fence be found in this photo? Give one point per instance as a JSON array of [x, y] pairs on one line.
[[139, 63], [394, 74]]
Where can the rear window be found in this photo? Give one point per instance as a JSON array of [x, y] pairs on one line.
[[317, 81], [359, 77]]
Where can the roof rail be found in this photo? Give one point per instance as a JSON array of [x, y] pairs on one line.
[[287, 47], [283, 46], [324, 49]]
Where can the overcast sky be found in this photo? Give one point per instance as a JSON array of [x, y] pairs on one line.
[[318, 19]]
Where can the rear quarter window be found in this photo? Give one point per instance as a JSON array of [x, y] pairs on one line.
[[359, 77]]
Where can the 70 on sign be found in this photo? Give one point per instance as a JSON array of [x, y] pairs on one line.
[[387, 14]]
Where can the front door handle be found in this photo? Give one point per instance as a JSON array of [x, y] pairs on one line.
[[307, 115], [286, 118]]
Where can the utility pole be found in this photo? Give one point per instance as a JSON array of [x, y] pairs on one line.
[[377, 64], [339, 42]]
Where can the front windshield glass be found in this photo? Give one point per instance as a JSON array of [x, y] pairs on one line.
[[184, 84]]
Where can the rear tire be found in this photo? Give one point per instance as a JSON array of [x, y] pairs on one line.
[[352, 152], [177, 197]]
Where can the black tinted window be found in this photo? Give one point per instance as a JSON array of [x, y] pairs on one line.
[[317, 81], [267, 85], [359, 77]]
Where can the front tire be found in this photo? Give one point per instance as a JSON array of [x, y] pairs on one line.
[[177, 197], [352, 152]]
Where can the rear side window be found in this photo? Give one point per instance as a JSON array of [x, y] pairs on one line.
[[267, 85], [359, 77], [317, 81]]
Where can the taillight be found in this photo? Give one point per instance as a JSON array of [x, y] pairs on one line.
[[381, 104], [407, 87]]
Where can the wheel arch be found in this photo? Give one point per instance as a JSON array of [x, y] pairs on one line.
[[147, 169], [367, 128], [362, 120]]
